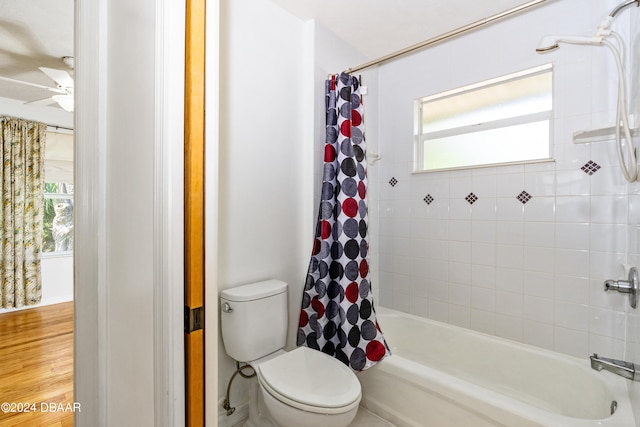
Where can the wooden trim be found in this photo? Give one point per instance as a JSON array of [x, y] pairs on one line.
[[194, 203], [194, 153], [194, 354]]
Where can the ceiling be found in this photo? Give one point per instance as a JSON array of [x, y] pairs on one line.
[[38, 33], [379, 27], [33, 33]]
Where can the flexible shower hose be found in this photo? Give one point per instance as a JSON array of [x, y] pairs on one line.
[[630, 171]]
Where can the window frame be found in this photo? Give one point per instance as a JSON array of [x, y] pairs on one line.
[[420, 138], [55, 254]]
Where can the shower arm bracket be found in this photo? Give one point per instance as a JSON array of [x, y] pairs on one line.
[[630, 286], [604, 29]]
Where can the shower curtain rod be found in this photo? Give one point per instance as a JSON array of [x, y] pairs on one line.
[[54, 128], [445, 36], [49, 127]]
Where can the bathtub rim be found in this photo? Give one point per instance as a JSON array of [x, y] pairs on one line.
[[618, 387]]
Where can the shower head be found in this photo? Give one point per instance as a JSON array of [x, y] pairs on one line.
[[549, 43]]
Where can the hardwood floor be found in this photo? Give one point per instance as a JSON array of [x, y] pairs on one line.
[[36, 366]]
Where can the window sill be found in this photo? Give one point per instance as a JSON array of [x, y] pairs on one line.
[[492, 165], [48, 255]]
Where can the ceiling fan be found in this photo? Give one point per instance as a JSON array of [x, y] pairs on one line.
[[63, 89]]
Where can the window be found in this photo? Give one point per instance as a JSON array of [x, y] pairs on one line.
[[502, 120], [58, 218]]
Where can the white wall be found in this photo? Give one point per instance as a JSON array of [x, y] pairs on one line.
[[57, 279], [262, 182], [532, 273], [270, 169]]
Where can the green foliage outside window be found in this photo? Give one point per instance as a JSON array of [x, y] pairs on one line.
[[60, 196]]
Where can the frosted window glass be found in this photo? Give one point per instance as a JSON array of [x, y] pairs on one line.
[[510, 99], [503, 120], [503, 145]]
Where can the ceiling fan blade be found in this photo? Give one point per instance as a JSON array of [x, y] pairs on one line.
[[43, 102], [61, 77], [22, 82], [65, 101]]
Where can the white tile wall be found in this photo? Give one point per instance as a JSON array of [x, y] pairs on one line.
[[530, 272], [632, 338]]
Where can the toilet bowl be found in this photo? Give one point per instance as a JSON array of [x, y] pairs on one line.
[[299, 388], [305, 387]]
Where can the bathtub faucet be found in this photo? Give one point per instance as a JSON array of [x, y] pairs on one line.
[[618, 367]]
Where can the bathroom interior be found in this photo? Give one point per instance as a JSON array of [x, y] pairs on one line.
[[517, 251]]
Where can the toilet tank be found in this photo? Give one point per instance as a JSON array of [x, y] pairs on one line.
[[254, 319]]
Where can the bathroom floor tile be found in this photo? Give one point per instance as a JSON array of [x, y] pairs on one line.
[[365, 418]]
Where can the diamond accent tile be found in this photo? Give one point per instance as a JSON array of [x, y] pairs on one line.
[[471, 198], [393, 181], [590, 167], [524, 197], [428, 199]]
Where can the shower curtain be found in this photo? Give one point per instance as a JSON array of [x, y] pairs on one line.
[[338, 315]]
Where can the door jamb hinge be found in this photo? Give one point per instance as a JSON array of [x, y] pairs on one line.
[[193, 319]]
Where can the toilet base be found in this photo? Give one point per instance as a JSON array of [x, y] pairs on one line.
[[256, 419], [259, 416]]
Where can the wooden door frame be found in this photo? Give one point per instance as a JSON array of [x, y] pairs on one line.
[[194, 211]]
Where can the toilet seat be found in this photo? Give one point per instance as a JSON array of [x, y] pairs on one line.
[[310, 380]]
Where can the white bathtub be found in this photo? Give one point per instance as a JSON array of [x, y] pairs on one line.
[[441, 375]]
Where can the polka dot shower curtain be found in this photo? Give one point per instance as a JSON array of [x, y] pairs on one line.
[[338, 315]]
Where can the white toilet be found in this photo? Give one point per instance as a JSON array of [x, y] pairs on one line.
[[300, 388]]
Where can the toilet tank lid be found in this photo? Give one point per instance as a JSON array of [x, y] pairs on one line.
[[254, 291]]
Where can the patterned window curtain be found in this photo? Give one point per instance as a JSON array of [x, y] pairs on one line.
[[21, 211], [338, 315]]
